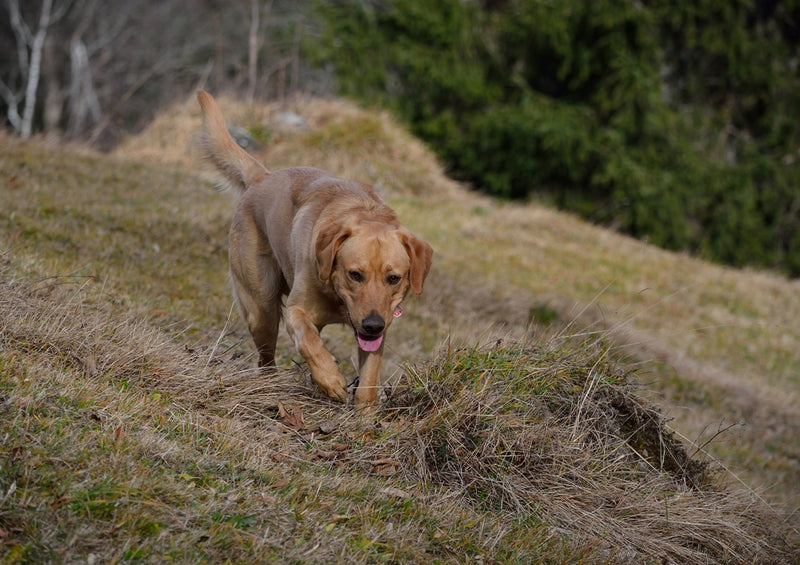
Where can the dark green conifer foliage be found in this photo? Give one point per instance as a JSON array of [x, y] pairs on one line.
[[677, 122]]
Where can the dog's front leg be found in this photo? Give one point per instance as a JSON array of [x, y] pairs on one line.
[[321, 363], [369, 378]]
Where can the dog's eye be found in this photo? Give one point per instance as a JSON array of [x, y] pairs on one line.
[[355, 276], [393, 279]]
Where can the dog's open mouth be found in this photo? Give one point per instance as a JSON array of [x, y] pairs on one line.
[[369, 343]]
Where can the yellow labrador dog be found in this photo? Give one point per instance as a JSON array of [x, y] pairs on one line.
[[330, 246]]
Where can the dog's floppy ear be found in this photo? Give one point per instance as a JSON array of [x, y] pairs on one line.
[[329, 240], [421, 255]]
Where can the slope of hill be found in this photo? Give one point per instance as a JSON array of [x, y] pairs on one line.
[[136, 428]]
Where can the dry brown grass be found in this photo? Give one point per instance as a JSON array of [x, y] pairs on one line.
[[123, 444], [137, 429]]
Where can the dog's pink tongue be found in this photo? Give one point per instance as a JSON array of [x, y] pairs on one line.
[[369, 344]]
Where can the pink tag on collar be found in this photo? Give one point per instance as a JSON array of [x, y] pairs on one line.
[[397, 312]]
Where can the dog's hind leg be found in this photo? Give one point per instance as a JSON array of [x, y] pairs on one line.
[[265, 335], [262, 312], [259, 287]]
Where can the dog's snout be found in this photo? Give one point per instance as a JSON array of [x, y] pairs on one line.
[[373, 325]]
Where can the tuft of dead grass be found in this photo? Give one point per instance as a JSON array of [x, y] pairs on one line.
[[528, 430]]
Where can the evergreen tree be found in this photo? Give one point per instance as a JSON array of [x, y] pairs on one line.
[[675, 121]]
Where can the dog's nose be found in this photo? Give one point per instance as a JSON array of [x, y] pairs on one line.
[[372, 325]]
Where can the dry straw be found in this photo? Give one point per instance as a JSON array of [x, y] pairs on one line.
[[547, 434]]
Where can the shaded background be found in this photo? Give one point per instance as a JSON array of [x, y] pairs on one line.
[[675, 122]]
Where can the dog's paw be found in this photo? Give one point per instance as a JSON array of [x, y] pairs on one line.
[[338, 393], [334, 389]]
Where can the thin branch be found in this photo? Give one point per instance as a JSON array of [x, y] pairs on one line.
[[60, 11], [13, 105], [142, 80], [720, 430], [22, 33]]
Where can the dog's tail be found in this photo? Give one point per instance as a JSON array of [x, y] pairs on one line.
[[238, 168]]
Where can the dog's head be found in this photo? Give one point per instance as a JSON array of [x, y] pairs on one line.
[[371, 265]]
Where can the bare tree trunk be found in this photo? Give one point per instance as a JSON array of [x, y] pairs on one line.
[[13, 106], [295, 80], [252, 65], [53, 91], [29, 50], [82, 96], [35, 69], [22, 34], [218, 54]]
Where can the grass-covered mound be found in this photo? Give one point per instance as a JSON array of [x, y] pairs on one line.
[[124, 444], [135, 427]]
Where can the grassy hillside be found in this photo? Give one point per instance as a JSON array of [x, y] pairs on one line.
[[526, 391]]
